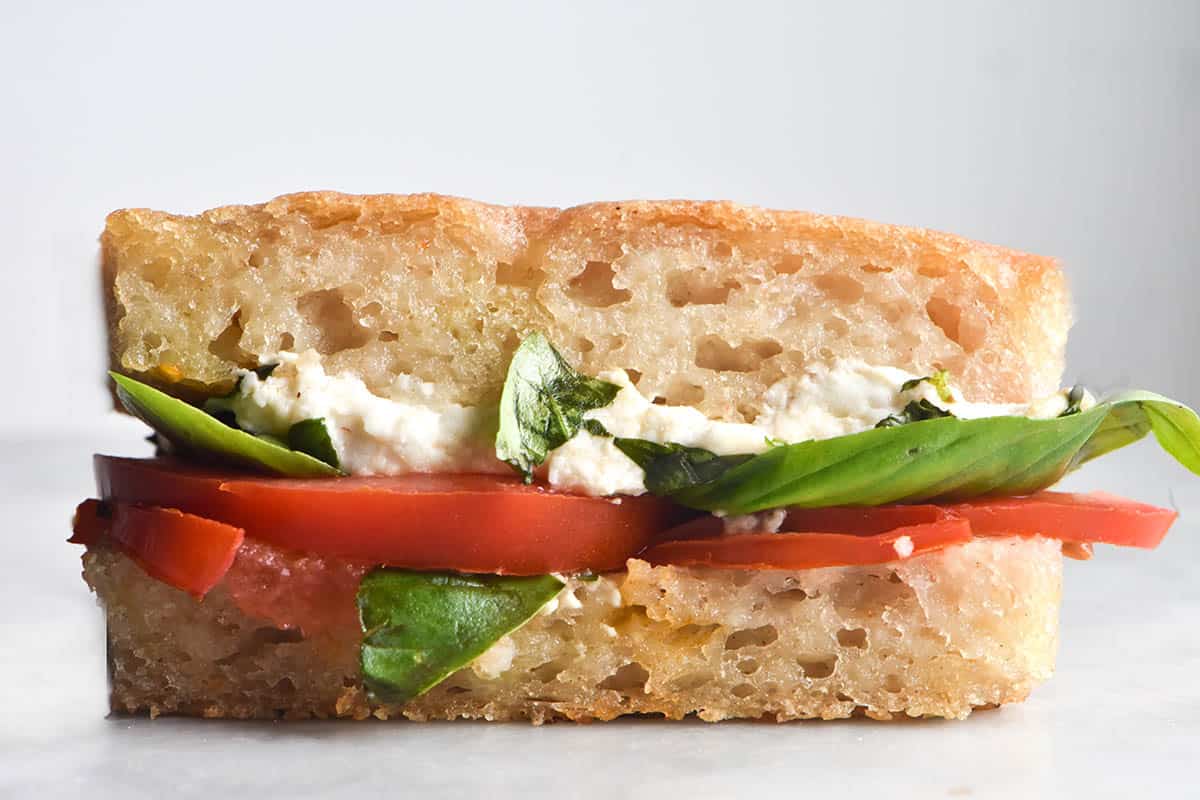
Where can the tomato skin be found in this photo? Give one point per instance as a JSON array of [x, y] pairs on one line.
[[846, 535], [1094, 518], [182, 550], [809, 550], [468, 523]]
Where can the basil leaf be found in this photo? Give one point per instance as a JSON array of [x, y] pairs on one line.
[[595, 428], [191, 429], [915, 411], [543, 403], [937, 459], [671, 468], [312, 436], [419, 627]]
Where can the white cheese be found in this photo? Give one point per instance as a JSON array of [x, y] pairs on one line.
[[409, 431], [763, 522], [496, 660], [405, 432]]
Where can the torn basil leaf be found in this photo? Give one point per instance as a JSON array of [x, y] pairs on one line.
[[420, 627], [543, 403], [191, 429], [312, 436], [672, 467], [915, 411], [936, 459]]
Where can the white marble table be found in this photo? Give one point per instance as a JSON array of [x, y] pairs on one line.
[[1120, 719]]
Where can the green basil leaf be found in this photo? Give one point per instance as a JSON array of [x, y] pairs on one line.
[[312, 436], [671, 468], [543, 403], [419, 627], [1131, 415], [191, 429], [915, 411], [595, 428], [937, 459]]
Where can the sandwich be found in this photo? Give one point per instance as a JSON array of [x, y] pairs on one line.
[[427, 458]]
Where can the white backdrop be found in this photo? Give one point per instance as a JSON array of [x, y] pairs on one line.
[[1068, 129]]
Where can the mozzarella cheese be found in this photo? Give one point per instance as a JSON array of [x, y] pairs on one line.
[[409, 431]]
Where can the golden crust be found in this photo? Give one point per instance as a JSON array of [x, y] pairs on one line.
[[708, 302]]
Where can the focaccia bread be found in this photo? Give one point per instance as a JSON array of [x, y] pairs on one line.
[[704, 304], [938, 635]]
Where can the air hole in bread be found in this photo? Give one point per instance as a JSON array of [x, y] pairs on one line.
[[852, 637], [631, 677], [634, 375], [255, 259], [336, 329], [388, 336], [752, 637], [368, 312], [748, 666], [893, 683], [695, 288], [713, 352], [794, 595], [790, 264], [524, 275], [840, 287], [286, 342], [962, 327], [932, 266], [874, 268], [594, 286], [584, 344], [742, 691], [327, 215], [156, 272], [152, 340], [693, 634], [457, 690], [817, 668], [722, 250], [683, 393], [548, 671], [227, 345], [748, 413], [690, 681]]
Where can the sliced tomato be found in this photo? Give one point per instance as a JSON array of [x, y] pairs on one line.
[[810, 550], [1085, 518], [294, 590], [469, 523], [182, 550]]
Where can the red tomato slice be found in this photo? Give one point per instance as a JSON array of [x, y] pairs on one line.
[[469, 523], [182, 550], [811, 550], [1085, 518]]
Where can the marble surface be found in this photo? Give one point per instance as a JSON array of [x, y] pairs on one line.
[[1121, 717]]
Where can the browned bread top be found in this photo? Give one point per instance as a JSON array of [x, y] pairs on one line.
[[705, 303]]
